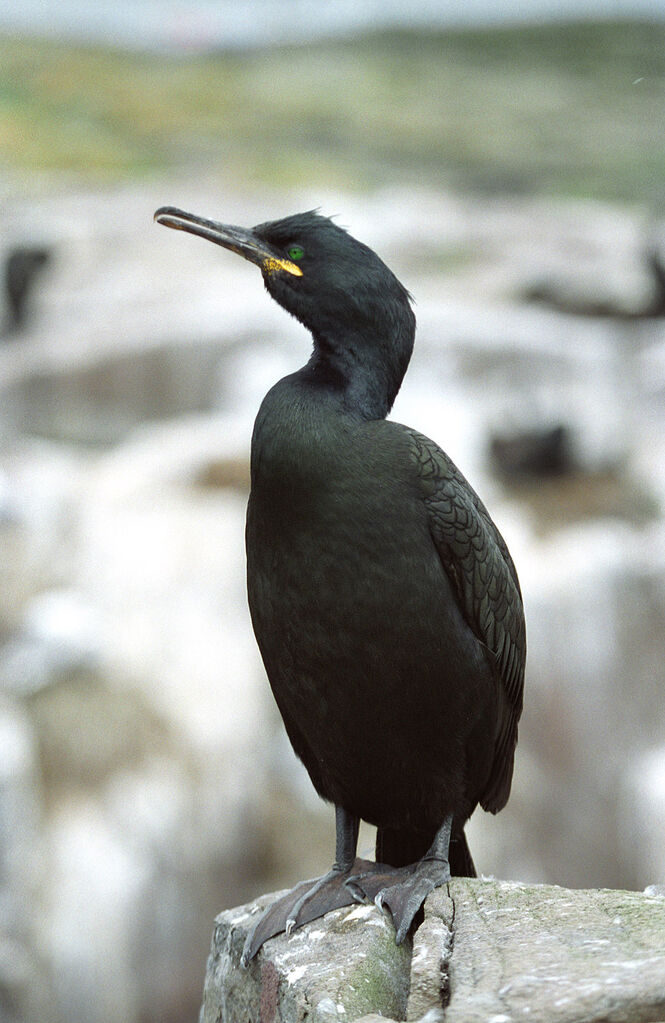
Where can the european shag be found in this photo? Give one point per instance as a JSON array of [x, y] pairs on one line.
[[384, 600]]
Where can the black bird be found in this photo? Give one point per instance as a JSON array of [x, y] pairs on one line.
[[22, 266], [384, 600]]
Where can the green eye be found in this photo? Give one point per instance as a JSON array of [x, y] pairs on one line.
[[295, 252]]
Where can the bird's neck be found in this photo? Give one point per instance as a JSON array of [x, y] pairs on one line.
[[365, 371]]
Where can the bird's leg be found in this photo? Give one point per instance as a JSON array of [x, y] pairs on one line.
[[346, 841], [403, 890], [310, 900]]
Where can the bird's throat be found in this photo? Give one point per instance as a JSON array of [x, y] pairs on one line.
[[366, 373]]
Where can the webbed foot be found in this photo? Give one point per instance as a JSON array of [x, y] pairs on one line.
[[308, 901], [402, 890]]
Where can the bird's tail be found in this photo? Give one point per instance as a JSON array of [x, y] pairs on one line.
[[400, 847], [461, 860]]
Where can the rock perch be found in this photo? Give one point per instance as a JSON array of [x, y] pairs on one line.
[[487, 952]]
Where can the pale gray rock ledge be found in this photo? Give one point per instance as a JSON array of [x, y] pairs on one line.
[[487, 952]]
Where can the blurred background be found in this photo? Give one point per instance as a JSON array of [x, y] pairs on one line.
[[507, 161]]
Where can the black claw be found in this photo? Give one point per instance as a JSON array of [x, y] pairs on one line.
[[356, 891]]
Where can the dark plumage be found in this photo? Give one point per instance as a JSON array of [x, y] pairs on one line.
[[383, 597], [22, 266]]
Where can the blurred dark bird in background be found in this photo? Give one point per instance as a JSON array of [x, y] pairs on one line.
[[384, 600], [555, 295], [533, 454], [22, 266]]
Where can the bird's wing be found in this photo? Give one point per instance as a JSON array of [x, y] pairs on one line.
[[479, 565]]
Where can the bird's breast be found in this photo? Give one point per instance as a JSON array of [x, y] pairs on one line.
[[362, 638], [321, 482], [338, 540]]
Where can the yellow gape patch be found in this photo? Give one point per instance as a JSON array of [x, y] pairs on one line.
[[270, 265]]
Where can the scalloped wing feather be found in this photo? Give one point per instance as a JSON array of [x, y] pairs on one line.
[[477, 560]]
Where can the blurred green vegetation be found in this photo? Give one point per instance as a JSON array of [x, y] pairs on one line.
[[573, 109]]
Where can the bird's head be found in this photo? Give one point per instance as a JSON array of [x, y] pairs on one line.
[[356, 309]]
